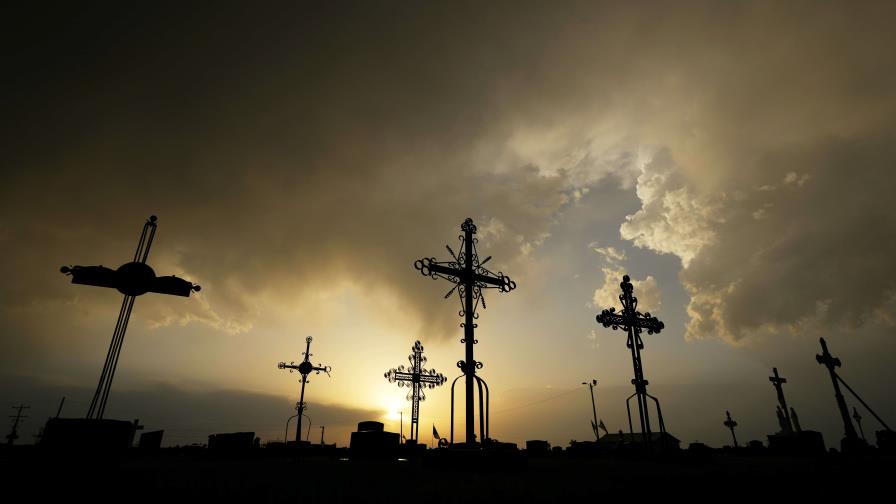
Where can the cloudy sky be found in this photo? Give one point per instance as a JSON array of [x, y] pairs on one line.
[[734, 158]]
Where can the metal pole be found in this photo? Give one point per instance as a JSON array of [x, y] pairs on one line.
[[593, 408], [469, 337]]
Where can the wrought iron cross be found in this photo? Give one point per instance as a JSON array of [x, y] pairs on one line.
[[777, 381], [415, 377], [634, 322], [304, 368], [470, 277], [132, 279], [731, 424]]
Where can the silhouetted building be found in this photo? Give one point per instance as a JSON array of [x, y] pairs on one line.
[[886, 440], [232, 441], [371, 439], [804, 442], [151, 440], [535, 447], [87, 434], [662, 440]]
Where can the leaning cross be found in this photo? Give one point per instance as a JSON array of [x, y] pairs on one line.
[[777, 381], [304, 368], [415, 377], [634, 322], [831, 362], [470, 277], [731, 424], [132, 279]]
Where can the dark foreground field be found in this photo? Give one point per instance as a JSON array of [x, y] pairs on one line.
[[438, 476]]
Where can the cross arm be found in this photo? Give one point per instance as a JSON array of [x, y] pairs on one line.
[[99, 276], [444, 270], [174, 286], [651, 324], [283, 365], [319, 368], [436, 379], [394, 376], [500, 280], [609, 318]]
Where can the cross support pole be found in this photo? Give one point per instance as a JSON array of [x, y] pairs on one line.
[[470, 277], [304, 368]]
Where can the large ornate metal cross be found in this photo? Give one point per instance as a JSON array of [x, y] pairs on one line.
[[415, 377], [304, 368], [634, 322], [470, 277], [132, 279], [778, 382]]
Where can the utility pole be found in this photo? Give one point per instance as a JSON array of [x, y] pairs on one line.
[[593, 409]]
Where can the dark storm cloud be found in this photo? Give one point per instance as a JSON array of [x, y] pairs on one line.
[[294, 148]]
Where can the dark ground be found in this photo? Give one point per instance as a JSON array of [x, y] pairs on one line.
[[262, 476]]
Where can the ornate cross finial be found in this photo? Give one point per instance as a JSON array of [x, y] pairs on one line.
[[416, 378]]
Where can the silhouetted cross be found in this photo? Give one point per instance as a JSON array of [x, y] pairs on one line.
[[470, 276], [633, 322], [777, 381], [731, 424], [831, 362], [415, 377], [132, 279], [304, 368], [858, 419]]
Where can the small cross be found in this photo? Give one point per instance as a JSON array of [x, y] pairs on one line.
[[777, 382], [415, 377], [634, 322], [731, 424], [304, 368], [132, 279], [858, 419]]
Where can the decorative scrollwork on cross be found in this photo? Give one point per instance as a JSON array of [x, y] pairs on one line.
[[416, 378], [470, 278], [633, 323]]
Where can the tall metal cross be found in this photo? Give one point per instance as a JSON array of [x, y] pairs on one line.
[[131, 279], [829, 361], [634, 322], [304, 368], [731, 424], [777, 381], [415, 377], [470, 277]]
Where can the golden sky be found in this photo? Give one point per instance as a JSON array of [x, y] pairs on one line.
[[734, 158]]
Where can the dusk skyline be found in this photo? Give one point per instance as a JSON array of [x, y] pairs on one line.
[[734, 158]]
